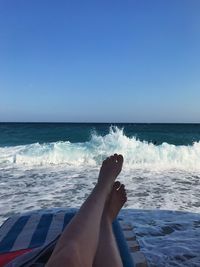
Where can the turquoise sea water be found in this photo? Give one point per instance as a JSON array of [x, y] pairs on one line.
[[45, 165], [26, 133]]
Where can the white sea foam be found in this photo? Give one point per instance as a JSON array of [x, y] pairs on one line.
[[137, 154]]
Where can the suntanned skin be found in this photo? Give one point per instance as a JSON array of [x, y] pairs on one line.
[[107, 252], [81, 243]]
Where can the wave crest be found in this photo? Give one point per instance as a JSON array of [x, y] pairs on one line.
[[137, 154]]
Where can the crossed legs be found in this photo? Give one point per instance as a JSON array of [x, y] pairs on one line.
[[83, 240], [107, 252]]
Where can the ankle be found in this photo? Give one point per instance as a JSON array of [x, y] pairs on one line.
[[103, 187], [106, 219]]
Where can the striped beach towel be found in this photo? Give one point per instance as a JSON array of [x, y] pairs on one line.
[[29, 239], [26, 233]]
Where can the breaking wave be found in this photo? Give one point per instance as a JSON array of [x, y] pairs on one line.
[[137, 154]]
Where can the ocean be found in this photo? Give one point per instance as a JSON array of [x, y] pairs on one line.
[[45, 165]]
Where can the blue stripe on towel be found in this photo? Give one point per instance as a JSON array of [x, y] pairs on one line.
[[8, 241], [41, 231], [122, 245], [68, 217]]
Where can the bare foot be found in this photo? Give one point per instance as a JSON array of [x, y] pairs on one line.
[[110, 169], [115, 202]]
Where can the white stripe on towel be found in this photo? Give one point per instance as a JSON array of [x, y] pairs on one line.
[[24, 238], [56, 226]]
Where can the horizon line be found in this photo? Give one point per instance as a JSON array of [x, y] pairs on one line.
[[91, 122]]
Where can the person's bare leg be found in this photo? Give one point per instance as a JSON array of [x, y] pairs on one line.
[[107, 252], [78, 243]]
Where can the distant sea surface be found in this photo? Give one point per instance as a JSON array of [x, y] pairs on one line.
[[45, 165]]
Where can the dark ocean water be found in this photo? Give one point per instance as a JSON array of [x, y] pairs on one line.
[[12, 134]]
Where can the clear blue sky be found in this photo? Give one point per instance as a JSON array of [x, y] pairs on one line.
[[103, 61]]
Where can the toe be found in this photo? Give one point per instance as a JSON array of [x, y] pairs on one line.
[[123, 193], [122, 187], [116, 185], [112, 158], [120, 159], [122, 190], [115, 156]]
